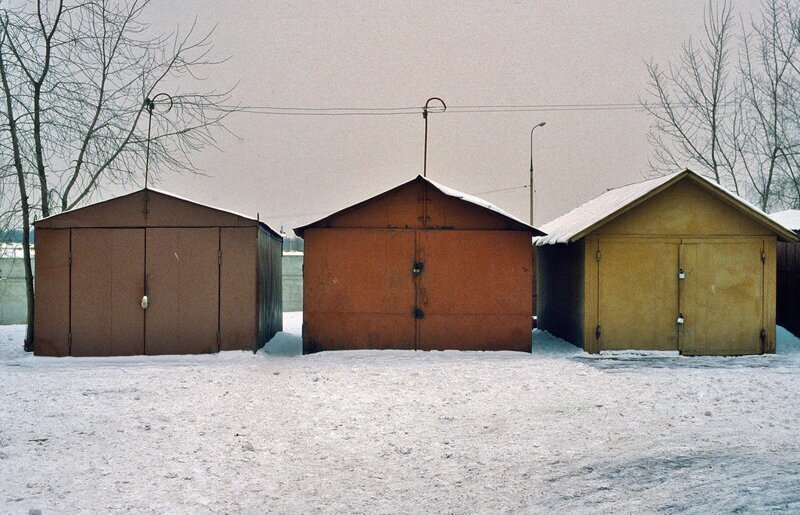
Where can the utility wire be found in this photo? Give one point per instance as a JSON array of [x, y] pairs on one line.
[[415, 110]]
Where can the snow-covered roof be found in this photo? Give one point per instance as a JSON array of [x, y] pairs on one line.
[[446, 190], [596, 212], [472, 199], [789, 218]]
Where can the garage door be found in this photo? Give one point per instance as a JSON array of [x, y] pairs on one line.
[[183, 291], [722, 297], [474, 290], [107, 278], [638, 294], [360, 293]]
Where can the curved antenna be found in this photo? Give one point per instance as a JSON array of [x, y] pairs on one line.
[[150, 105], [425, 117]]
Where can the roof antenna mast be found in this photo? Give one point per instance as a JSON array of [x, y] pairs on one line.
[[150, 105], [425, 117]]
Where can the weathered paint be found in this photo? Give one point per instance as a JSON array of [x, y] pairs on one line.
[[209, 276], [631, 294], [473, 289]]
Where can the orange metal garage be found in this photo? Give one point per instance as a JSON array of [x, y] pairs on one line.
[[152, 273], [420, 266]]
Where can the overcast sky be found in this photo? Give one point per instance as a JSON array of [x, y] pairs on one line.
[[296, 169]]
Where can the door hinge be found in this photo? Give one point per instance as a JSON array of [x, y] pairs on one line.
[[219, 258], [597, 256], [69, 257], [763, 257], [597, 333], [69, 338], [417, 269], [763, 336], [418, 314]]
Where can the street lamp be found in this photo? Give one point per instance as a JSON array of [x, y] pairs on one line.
[[542, 124]]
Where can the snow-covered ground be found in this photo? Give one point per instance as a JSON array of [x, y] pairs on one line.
[[390, 431]]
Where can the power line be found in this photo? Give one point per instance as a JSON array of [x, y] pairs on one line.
[[415, 110]]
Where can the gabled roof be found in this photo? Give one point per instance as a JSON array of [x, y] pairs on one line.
[[595, 213], [789, 218], [166, 194], [450, 192]]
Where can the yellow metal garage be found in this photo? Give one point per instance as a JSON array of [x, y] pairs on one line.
[[674, 263]]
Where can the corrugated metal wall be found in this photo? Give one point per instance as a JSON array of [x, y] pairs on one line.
[[270, 308]]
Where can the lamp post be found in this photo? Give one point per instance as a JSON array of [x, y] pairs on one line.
[[542, 124]]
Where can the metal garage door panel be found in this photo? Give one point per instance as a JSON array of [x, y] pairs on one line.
[[722, 297], [358, 289], [51, 316], [107, 287], [183, 290], [638, 294], [238, 322], [475, 290]]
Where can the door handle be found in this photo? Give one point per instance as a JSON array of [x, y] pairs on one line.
[[145, 302]]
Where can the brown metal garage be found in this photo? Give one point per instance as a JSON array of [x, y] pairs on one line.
[[152, 273], [419, 266], [674, 263]]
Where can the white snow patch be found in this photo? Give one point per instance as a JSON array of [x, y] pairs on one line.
[[564, 228], [557, 430]]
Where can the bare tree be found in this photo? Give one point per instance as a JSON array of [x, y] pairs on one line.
[[735, 121], [75, 77], [691, 105], [769, 153]]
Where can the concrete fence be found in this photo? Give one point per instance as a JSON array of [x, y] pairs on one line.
[[13, 303], [292, 281]]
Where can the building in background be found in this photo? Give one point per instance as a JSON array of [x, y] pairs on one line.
[[788, 287], [152, 273], [674, 263], [420, 266]]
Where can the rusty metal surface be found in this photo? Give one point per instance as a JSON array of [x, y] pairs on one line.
[[238, 294], [415, 205], [107, 287], [358, 289], [183, 288], [475, 290], [51, 303]]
